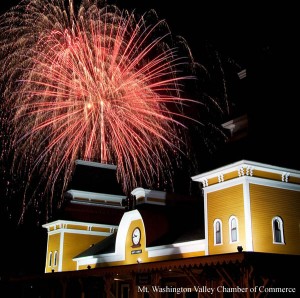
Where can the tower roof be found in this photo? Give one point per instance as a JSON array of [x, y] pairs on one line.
[[95, 177]]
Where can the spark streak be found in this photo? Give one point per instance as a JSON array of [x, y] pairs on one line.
[[96, 83]]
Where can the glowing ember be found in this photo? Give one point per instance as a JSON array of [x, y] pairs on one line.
[[95, 84]]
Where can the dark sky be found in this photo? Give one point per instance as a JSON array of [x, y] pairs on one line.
[[260, 37], [244, 31], [235, 28]]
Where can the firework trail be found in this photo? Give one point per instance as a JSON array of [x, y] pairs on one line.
[[92, 83]]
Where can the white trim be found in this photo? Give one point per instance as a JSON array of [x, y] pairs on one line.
[[125, 222], [80, 232], [230, 229], [98, 259], [96, 198], [50, 255], [46, 263], [176, 248], [245, 164], [248, 217], [95, 164], [225, 184], [55, 262], [61, 251], [149, 194], [273, 183], [61, 224], [252, 180], [139, 192], [205, 223], [281, 230], [221, 231]]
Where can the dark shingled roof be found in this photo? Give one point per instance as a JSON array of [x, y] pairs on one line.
[[104, 246]]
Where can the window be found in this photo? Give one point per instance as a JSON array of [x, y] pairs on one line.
[[277, 227], [55, 258], [233, 228], [218, 231], [50, 259]]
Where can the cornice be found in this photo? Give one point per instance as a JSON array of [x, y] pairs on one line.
[[248, 168]]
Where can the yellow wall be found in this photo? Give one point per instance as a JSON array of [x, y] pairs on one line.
[[75, 244], [222, 204], [266, 203], [53, 245]]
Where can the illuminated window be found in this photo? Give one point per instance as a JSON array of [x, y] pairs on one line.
[[50, 259], [218, 231], [55, 258], [277, 226], [233, 226]]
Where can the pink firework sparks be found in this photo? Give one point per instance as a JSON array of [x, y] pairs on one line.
[[94, 85]]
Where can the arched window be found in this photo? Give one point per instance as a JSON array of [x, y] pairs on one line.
[[233, 229], [217, 232], [277, 227], [55, 258], [50, 259]]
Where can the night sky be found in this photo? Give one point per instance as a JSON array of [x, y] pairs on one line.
[[260, 38]]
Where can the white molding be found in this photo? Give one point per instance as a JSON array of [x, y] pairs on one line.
[[149, 194], [61, 223], [248, 217], [245, 164], [61, 252], [94, 195], [206, 224], [253, 180], [177, 248], [95, 164]]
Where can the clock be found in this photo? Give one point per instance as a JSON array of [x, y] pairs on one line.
[[136, 236]]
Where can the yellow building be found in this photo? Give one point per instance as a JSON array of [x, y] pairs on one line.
[[74, 245], [251, 205], [239, 236], [239, 239], [247, 205]]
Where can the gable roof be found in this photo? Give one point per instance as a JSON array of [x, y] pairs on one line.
[[106, 245]]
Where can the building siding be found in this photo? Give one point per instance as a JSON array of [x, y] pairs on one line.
[[266, 203], [53, 245], [74, 244], [223, 204]]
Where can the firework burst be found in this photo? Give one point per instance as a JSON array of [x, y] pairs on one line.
[[93, 83]]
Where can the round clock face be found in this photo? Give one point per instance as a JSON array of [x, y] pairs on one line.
[[136, 236]]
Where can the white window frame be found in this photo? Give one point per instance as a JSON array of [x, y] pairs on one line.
[[50, 259], [216, 221], [55, 258], [231, 218], [280, 224]]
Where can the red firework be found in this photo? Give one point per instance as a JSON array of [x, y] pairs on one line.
[[94, 84]]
